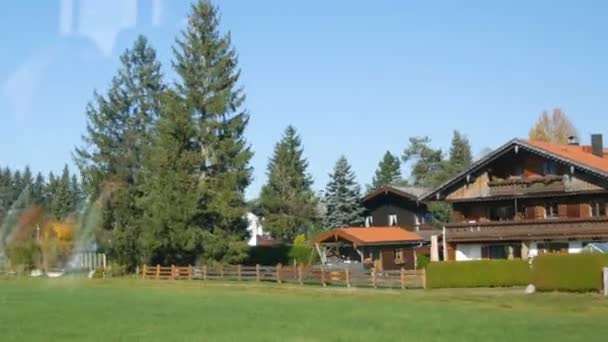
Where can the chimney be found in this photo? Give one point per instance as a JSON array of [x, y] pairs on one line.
[[573, 140], [597, 145]]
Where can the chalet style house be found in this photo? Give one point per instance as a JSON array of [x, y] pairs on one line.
[[527, 198], [392, 206]]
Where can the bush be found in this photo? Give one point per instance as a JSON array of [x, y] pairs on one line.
[[569, 272], [422, 261], [24, 255], [281, 254], [484, 273]]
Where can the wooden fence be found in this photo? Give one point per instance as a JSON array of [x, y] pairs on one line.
[[291, 274]]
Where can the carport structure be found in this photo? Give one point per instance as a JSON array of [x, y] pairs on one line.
[[384, 248]]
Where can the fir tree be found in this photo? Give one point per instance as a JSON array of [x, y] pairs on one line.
[[388, 171], [208, 72], [461, 156], [173, 233], [342, 198], [428, 169], [38, 190], [287, 200], [119, 131], [62, 203]]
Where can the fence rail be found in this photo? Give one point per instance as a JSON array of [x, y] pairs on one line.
[[296, 274]]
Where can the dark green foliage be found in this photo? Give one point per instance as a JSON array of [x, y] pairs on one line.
[[287, 200], [24, 254], [569, 272], [207, 66], [388, 172], [281, 254], [422, 261], [441, 212], [342, 198], [172, 233], [485, 273], [62, 199], [460, 154], [119, 129], [268, 255], [428, 163]]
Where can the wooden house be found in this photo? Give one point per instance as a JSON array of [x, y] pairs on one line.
[[527, 198]]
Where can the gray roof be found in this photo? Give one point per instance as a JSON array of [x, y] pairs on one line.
[[414, 190]]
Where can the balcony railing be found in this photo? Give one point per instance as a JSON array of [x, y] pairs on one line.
[[558, 228], [526, 186]]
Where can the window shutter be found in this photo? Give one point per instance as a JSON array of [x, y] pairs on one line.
[[585, 210], [562, 210], [530, 212], [574, 210], [539, 212]]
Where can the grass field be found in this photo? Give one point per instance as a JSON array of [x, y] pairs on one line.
[[113, 310]]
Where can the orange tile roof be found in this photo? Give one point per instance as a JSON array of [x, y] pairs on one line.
[[578, 154], [371, 235]]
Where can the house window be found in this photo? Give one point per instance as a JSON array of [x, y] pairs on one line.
[[392, 220], [598, 208], [399, 256], [503, 213], [501, 251], [549, 167], [551, 210], [369, 221]]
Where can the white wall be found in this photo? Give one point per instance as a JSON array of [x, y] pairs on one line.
[[575, 247], [468, 251]]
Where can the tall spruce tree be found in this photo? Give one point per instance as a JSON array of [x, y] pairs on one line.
[[342, 198], [461, 156], [171, 203], [388, 171], [288, 203], [38, 190], [207, 65], [62, 204], [118, 135]]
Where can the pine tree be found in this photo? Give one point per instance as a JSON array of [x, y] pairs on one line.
[[287, 200], [38, 190], [342, 198], [62, 202], [208, 72], [388, 171], [428, 163], [76, 192], [461, 156], [173, 233], [119, 131]]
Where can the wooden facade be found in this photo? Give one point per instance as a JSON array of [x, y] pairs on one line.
[[524, 197], [397, 207]]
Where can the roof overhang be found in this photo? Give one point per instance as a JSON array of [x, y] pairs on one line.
[[385, 190], [513, 145]]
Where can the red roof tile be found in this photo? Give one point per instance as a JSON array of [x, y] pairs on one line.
[[578, 154], [372, 235]]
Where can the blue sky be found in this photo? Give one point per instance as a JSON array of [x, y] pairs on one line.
[[355, 77]]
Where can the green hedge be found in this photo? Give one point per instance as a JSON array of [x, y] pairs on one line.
[[281, 254], [484, 273], [569, 272]]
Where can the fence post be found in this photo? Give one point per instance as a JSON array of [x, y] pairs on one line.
[[279, 273], [605, 272], [205, 272], [257, 272], [189, 272], [238, 272], [424, 278], [347, 277], [300, 275], [323, 277], [222, 271], [402, 276], [145, 271], [172, 272], [157, 271]]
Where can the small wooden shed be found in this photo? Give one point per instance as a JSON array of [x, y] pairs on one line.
[[384, 248]]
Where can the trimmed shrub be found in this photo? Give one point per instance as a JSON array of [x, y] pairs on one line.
[[24, 255], [569, 272], [483, 273], [422, 261]]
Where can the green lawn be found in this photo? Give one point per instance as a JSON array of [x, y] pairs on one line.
[[111, 310]]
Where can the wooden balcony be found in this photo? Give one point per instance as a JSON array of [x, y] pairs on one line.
[[560, 228], [526, 186]]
